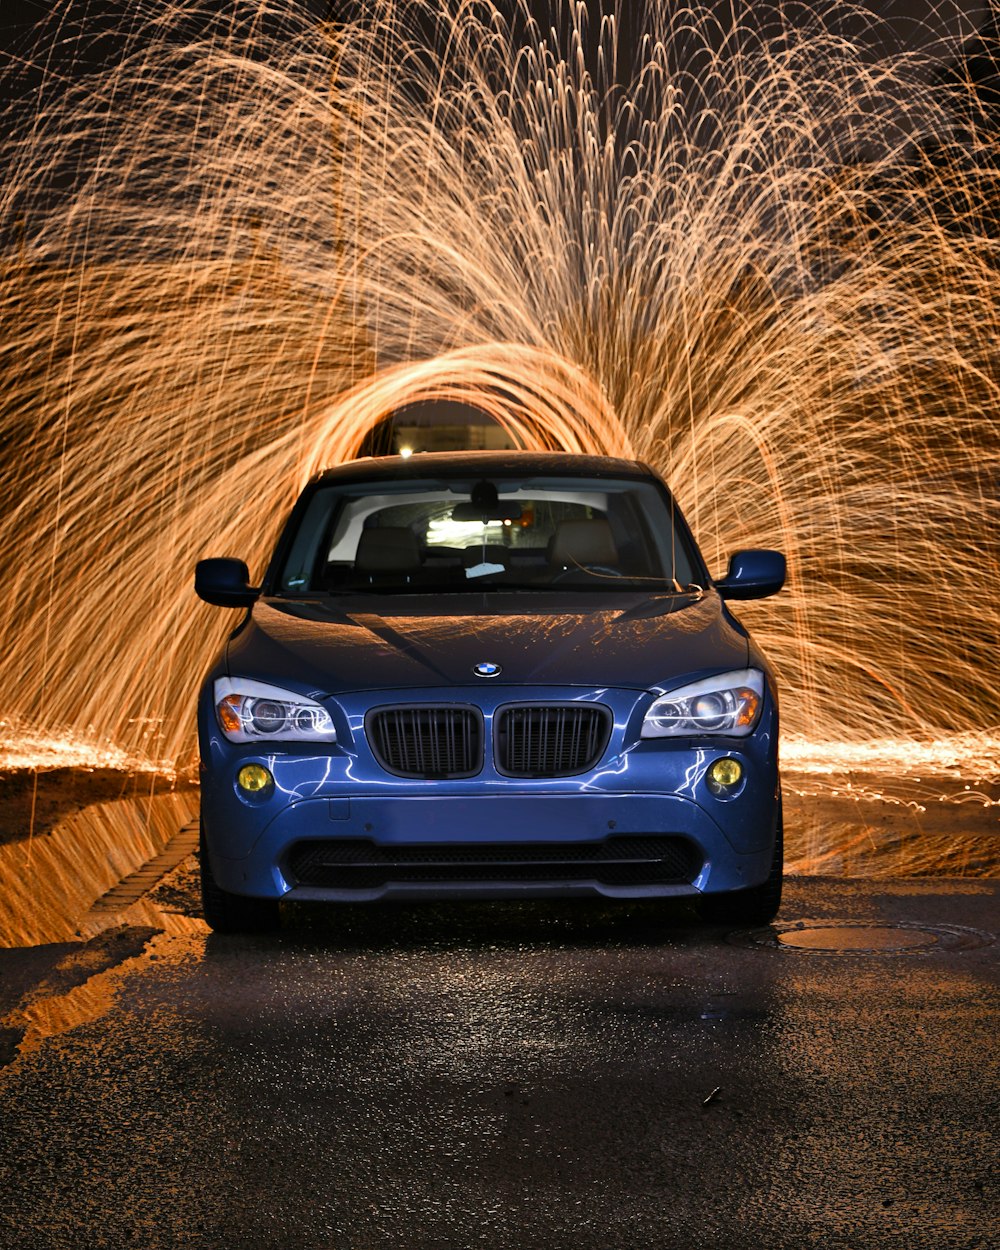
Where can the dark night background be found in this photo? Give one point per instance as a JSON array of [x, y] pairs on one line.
[[915, 24]]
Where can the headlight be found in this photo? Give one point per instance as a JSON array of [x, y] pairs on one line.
[[250, 711], [728, 704]]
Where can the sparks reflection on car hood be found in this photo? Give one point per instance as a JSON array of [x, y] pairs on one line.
[[371, 642]]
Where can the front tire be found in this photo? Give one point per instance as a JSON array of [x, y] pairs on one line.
[[232, 913], [758, 905]]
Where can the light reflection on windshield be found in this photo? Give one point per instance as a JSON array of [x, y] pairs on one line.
[[505, 533]]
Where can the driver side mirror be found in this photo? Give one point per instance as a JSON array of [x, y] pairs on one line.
[[753, 574]]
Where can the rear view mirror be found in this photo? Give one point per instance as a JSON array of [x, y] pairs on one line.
[[225, 583], [495, 512], [484, 505]]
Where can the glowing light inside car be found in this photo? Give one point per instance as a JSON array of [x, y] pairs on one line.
[[445, 531]]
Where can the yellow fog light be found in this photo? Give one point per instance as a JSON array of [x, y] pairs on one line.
[[253, 778], [724, 774]]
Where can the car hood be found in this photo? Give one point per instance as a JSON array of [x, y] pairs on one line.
[[326, 646]]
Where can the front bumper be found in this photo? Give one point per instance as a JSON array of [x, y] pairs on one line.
[[648, 789], [514, 823]]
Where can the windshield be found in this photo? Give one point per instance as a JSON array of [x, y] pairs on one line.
[[538, 533]]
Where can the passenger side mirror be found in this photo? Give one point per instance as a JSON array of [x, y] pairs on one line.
[[225, 583], [753, 574]]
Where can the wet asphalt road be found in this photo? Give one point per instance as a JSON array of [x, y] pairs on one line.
[[509, 1076]]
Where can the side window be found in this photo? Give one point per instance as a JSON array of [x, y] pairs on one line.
[[297, 575]]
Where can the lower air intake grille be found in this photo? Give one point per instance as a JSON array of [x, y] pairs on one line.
[[536, 741], [427, 742], [359, 864]]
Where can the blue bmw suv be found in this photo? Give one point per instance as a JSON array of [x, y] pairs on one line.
[[488, 675]]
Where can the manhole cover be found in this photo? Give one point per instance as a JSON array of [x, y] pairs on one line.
[[867, 938], [857, 938]]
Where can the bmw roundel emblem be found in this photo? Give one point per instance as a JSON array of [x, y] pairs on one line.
[[487, 669]]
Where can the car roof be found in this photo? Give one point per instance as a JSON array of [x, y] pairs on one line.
[[485, 463]]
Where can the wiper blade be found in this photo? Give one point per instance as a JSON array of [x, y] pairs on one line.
[[665, 603]]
